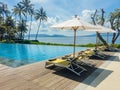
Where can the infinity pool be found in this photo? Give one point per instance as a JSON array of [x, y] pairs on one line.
[[15, 55]]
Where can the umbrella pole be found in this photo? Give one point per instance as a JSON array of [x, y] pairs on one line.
[[74, 43], [107, 37], [96, 41]]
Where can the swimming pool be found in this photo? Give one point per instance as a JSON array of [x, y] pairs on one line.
[[15, 55]]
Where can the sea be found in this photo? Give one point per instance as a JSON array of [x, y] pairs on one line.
[[70, 39]]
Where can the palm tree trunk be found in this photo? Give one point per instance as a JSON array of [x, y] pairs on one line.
[[30, 29], [38, 30], [3, 17], [21, 35]]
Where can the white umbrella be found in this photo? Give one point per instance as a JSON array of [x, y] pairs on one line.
[[102, 29], [75, 24]]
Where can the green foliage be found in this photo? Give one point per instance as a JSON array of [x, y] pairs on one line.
[[5, 41], [87, 45], [22, 28], [117, 45], [55, 44]]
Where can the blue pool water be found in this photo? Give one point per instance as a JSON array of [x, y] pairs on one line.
[[20, 54]]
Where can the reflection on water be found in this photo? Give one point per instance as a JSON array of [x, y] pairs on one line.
[[20, 54]]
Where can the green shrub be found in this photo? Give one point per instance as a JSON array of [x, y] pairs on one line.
[[117, 45]]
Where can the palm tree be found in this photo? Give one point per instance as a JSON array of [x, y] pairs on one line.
[[41, 16], [0, 9], [1, 18], [2, 32], [26, 6], [18, 10], [22, 28], [15, 12], [4, 10], [10, 25], [31, 12]]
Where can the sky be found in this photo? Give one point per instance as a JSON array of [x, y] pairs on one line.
[[60, 10]]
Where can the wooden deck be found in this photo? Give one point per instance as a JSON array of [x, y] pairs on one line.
[[36, 77]]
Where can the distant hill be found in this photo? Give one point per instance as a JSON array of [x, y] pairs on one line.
[[45, 35], [93, 35]]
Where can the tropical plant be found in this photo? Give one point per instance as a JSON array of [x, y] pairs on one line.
[[27, 6], [22, 28], [4, 10], [18, 10], [41, 16], [31, 12], [10, 25], [2, 32]]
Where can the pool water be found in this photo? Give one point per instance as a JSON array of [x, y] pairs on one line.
[[15, 55]]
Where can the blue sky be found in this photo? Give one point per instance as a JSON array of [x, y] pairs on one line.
[[60, 10]]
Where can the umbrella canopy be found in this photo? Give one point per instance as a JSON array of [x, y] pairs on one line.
[[102, 30], [75, 24]]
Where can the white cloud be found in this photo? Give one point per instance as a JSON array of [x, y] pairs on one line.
[[86, 15], [45, 26]]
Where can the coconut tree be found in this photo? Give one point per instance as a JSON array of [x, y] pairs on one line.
[[2, 32], [41, 16], [1, 10], [10, 25], [26, 4], [18, 10], [4, 10], [22, 28], [31, 12]]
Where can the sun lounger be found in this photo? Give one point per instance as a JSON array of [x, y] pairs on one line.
[[84, 60], [70, 65], [97, 54]]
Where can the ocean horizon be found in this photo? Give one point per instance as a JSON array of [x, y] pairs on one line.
[[70, 39]]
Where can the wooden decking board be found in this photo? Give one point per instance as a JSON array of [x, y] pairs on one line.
[[36, 76], [3, 72], [43, 78], [37, 73], [64, 85], [2, 68], [10, 82], [56, 85], [46, 81], [53, 81], [20, 83], [71, 85], [6, 79]]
